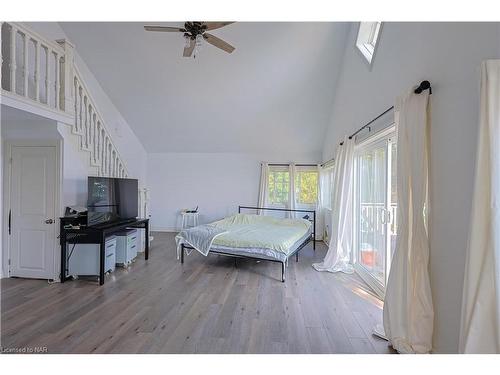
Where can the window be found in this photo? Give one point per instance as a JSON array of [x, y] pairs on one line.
[[326, 182], [306, 187], [366, 42], [279, 186], [375, 208]]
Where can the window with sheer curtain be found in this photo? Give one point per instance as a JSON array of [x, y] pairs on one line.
[[306, 186], [326, 182], [278, 186]]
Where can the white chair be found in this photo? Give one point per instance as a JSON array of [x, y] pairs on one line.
[[189, 219]]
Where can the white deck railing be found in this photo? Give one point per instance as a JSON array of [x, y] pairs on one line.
[[43, 72]]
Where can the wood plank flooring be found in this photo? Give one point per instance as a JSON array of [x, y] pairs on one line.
[[207, 305]]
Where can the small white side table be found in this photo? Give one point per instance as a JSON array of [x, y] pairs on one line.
[[189, 219]]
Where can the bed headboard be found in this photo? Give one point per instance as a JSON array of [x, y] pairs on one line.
[[313, 212]]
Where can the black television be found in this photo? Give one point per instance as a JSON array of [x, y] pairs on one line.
[[111, 200]]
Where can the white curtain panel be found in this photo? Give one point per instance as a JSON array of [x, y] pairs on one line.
[[320, 203], [480, 326], [264, 181], [292, 170], [408, 309], [338, 257]]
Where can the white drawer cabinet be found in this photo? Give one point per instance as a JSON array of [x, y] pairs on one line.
[[83, 259], [127, 243]]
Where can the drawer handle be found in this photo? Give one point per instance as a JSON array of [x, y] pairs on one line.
[[132, 247], [133, 238], [112, 245], [110, 255]]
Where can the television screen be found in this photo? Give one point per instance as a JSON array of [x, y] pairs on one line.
[[111, 199]]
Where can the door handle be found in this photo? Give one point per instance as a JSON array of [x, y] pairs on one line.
[[10, 220], [383, 216], [49, 221]]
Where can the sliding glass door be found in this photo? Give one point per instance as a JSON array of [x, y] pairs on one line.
[[375, 209]]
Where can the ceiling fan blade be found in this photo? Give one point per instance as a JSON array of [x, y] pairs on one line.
[[215, 25], [219, 43], [188, 51], [164, 29]]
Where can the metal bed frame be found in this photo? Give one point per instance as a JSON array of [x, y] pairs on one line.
[[283, 263]]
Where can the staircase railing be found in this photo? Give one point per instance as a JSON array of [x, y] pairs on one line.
[[94, 137], [43, 72]]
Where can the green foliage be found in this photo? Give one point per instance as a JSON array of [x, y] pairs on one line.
[[306, 187], [279, 187]]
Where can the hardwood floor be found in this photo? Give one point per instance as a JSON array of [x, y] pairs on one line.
[[206, 305]]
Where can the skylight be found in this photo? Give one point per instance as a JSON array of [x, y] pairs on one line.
[[367, 39]]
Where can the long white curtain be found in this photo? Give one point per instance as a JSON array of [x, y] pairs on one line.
[[292, 199], [338, 257], [480, 327], [264, 181], [408, 310]]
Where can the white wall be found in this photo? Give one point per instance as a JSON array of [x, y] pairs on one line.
[[216, 182], [449, 56], [75, 169]]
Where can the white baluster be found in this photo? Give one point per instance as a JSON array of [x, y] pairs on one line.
[[106, 157], [110, 161], [97, 134], [57, 83], [47, 80], [87, 123], [75, 104], [84, 114], [37, 71], [80, 109], [25, 66], [102, 149], [13, 34], [89, 113], [94, 137]]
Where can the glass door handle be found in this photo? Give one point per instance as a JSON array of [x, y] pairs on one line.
[[383, 216]]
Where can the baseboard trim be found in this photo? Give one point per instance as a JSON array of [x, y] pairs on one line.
[[165, 229]]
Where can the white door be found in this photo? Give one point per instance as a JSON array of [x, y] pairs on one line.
[[32, 215]]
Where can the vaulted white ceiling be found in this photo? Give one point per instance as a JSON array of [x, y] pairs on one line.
[[273, 93]]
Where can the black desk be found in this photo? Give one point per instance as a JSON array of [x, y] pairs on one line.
[[95, 235]]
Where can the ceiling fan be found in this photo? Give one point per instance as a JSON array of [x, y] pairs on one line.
[[195, 33]]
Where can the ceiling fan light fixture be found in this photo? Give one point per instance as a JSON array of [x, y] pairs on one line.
[[197, 45], [187, 41], [194, 33]]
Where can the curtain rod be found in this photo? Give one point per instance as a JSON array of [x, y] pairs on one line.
[[424, 85], [326, 162], [288, 164]]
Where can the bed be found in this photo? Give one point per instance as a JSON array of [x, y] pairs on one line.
[[253, 236]]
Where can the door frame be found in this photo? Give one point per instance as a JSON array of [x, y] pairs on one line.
[[7, 178]]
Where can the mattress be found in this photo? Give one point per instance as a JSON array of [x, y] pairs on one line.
[[260, 252], [261, 236]]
